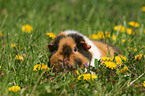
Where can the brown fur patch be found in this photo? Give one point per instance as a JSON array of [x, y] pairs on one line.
[[105, 49], [58, 57]]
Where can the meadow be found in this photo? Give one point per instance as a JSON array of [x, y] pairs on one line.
[[28, 26]]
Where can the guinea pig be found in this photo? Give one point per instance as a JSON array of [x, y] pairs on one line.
[[71, 49]]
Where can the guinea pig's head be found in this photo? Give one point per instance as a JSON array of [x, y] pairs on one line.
[[68, 51]]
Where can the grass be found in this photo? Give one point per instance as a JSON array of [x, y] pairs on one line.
[[87, 17]]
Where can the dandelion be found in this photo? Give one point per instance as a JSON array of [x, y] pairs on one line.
[[77, 72], [106, 58], [110, 64], [134, 49], [143, 8], [144, 83], [52, 35], [0, 67], [107, 34], [27, 28], [113, 37], [14, 88], [129, 31], [19, 58], [87, 77], [93, 36], [134, 24], [13, 45], [19, 46], [100, 34], [40, 67], [1, 33], [119, 59], [138, 57], [124, 69], [123, 40], [119, 28]]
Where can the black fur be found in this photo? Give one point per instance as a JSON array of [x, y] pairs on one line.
[[49, 65], [55, 47], [56, 42], [78, 62], [66, 50], [79, 46]]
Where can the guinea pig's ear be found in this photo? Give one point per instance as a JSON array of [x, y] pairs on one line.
[[51, 47], [85, 45]]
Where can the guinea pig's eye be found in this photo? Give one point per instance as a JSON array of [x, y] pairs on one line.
[[75, 49]]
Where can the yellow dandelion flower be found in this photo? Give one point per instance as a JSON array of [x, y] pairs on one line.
[[93, 36], [113, 37], [1, 33], [106, 58], [19, 46], [143, 8], [27, 28], [87, 77], [19, 58], [13, 45], [14, 88], [107, 34], [77, 72], [138, 57], [52, 35], [119, 59], [101, 34], [123, 40], [40, 67], [110, 64], [119, 28], [129, 31], [134, 49], [0, 67], [134, 24], [36, 67], [44, 66], [144, 83], [124, 69]]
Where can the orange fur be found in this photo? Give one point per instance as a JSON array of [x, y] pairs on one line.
[[105, 49], [60, 60], [55, 59]]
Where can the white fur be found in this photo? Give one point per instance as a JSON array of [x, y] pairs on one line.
[[94, 50]]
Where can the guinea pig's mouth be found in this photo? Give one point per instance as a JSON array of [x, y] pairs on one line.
[[65, 66]]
